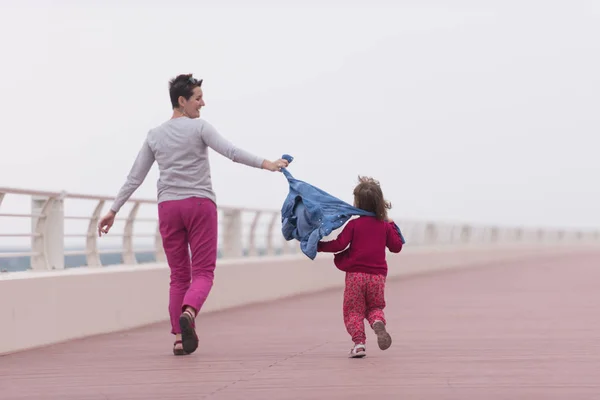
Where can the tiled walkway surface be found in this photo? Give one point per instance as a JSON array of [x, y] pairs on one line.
[[528, 330]]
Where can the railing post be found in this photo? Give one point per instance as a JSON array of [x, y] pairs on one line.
[[430, 233], [415, 231], [540, 235], [232, 235], [252, 251], [270, 246], [128, 253], [48, 229], [519, 235], [465, 234], [91, 241], [454, 233], [494, 235]]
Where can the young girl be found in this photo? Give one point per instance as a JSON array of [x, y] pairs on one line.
[[364, 262]]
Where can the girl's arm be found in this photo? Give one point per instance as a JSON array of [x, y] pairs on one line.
[[340, 243], [393, 240]]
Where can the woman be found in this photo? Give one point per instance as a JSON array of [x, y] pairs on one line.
[[187, 210]]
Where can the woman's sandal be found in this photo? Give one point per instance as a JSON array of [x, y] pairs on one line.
[[176, 351], [188, 332]]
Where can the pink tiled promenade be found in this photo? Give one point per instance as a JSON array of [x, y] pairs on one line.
[[517, 330]]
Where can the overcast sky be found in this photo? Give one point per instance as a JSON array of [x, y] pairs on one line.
[[480, 111]]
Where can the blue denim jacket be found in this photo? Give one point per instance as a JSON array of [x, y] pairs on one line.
[[309, 214]]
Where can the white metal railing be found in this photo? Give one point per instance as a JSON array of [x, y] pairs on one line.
[[47, 235], [240, 232]]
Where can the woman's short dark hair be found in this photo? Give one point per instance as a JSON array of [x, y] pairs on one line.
[[182, 85]]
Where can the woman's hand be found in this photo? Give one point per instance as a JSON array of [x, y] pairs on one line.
[[106, 223], [275, 165]]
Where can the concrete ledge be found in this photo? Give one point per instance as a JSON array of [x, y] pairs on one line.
[[41, 308]]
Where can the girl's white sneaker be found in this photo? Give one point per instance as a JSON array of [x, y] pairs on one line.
[[358, 351]]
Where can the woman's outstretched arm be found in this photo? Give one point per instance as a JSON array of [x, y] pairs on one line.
[[221, 145]]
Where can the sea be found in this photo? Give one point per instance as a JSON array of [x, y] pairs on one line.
[[23, 263]]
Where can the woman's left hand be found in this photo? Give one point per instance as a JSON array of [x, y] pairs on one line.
[[106, 223]]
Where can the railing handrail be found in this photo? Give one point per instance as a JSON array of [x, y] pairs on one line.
[[445, 223], [80, 196], [47, 234]]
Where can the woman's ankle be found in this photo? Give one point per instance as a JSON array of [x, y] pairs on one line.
[[190, 310]]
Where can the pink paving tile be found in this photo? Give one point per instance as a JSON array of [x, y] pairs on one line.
[[522, 330]]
